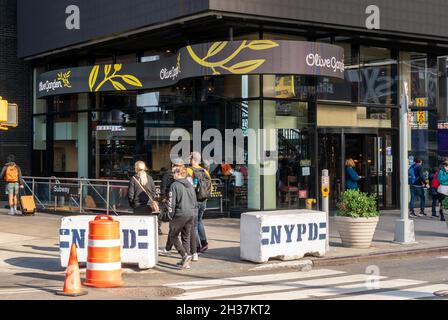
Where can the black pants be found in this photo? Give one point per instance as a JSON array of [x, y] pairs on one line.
[[182, 226], [441, 197]]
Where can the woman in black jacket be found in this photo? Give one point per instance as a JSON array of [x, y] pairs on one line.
[[142, 191]]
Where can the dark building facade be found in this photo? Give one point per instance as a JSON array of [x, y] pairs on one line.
[[114, 90], [16, 87]]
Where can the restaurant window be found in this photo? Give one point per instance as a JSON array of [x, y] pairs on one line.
[[378, 75]]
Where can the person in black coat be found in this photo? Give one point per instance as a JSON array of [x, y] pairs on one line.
[[142, 191]]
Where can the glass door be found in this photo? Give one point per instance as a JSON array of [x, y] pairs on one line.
[[331, 158], [363, 149]]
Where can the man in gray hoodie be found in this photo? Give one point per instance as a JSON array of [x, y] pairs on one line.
[[182, 207]]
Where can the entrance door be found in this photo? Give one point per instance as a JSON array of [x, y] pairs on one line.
[[374, 163], [363, 149]]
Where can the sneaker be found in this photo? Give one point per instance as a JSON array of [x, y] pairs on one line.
[[422, 213], [442, 219], [11, 212], [204, 248], [184, 263], [195, 257], [412, 215]]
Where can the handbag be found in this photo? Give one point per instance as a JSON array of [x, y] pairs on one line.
[[147, 193], [443, 190]]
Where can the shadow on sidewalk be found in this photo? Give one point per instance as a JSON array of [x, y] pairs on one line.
[[43, 276], [44, 264], [51, 249]]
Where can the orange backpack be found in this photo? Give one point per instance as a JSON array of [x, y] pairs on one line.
[[12, 174]]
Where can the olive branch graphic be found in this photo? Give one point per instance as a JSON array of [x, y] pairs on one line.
[[109, 77], [64, 77], [238, 68]]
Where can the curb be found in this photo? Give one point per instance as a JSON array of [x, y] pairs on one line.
[[339, 261]]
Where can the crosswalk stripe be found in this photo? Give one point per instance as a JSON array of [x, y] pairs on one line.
[[25, 290], [445, 257], [402, 294], [329, 291], [293, 285], [254, 279]]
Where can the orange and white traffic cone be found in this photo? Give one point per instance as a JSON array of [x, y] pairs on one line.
[[72, 284]]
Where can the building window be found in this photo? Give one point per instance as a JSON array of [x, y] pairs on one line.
[[378, 75]]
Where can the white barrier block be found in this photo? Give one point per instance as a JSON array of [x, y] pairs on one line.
[[286, 235], [139, 239]]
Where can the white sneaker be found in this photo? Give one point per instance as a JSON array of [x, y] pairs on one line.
[[195, 257], [11, 212]]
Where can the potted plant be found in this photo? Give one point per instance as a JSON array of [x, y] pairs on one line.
[[357, 219]]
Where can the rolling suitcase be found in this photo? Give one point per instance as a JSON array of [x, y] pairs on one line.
[[27, 204]]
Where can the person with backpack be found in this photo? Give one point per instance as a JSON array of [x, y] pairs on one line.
[[202, 183], [442, 190], [12, 175], [417, 184], [182, 208]]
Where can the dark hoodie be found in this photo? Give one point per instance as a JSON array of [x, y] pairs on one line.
[[182, 199]]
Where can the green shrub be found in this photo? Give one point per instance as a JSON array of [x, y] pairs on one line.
[[356, 204], [445, 203]]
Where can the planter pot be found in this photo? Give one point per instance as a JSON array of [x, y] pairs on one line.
[[356, 232]]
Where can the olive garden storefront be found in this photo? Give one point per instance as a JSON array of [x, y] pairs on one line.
[[276, 111]]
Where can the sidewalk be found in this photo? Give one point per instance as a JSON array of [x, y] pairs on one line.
[[32, 243], [223, 235]]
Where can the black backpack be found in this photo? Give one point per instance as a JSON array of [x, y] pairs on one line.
[[202, 184]]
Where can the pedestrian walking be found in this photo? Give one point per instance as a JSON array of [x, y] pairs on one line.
[[442, 190], [433, 186], [417, 184], [167, 181], [142, 191], [203, 186], [12, 175], [351, 176], [182, 207]]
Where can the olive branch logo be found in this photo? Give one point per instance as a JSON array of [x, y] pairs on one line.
[[238, 68], [64, 77], [109, 77]]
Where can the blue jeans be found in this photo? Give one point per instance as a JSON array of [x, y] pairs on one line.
[[419, 192], [200, 230]]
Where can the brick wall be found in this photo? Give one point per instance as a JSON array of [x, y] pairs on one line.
[[16, 87]]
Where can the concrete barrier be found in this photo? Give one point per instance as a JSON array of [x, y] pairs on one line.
[[286, 235], [139, 239]]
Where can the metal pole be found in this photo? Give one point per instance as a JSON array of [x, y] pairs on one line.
[[326, 204], [80, 196], [404, 227], [108, 197]]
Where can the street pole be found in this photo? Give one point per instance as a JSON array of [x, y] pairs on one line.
[[326, 203], [404, 227]]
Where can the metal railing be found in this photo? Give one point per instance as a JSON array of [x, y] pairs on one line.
[[92, 195]]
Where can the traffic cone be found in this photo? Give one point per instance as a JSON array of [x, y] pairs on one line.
[[72, 284]]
